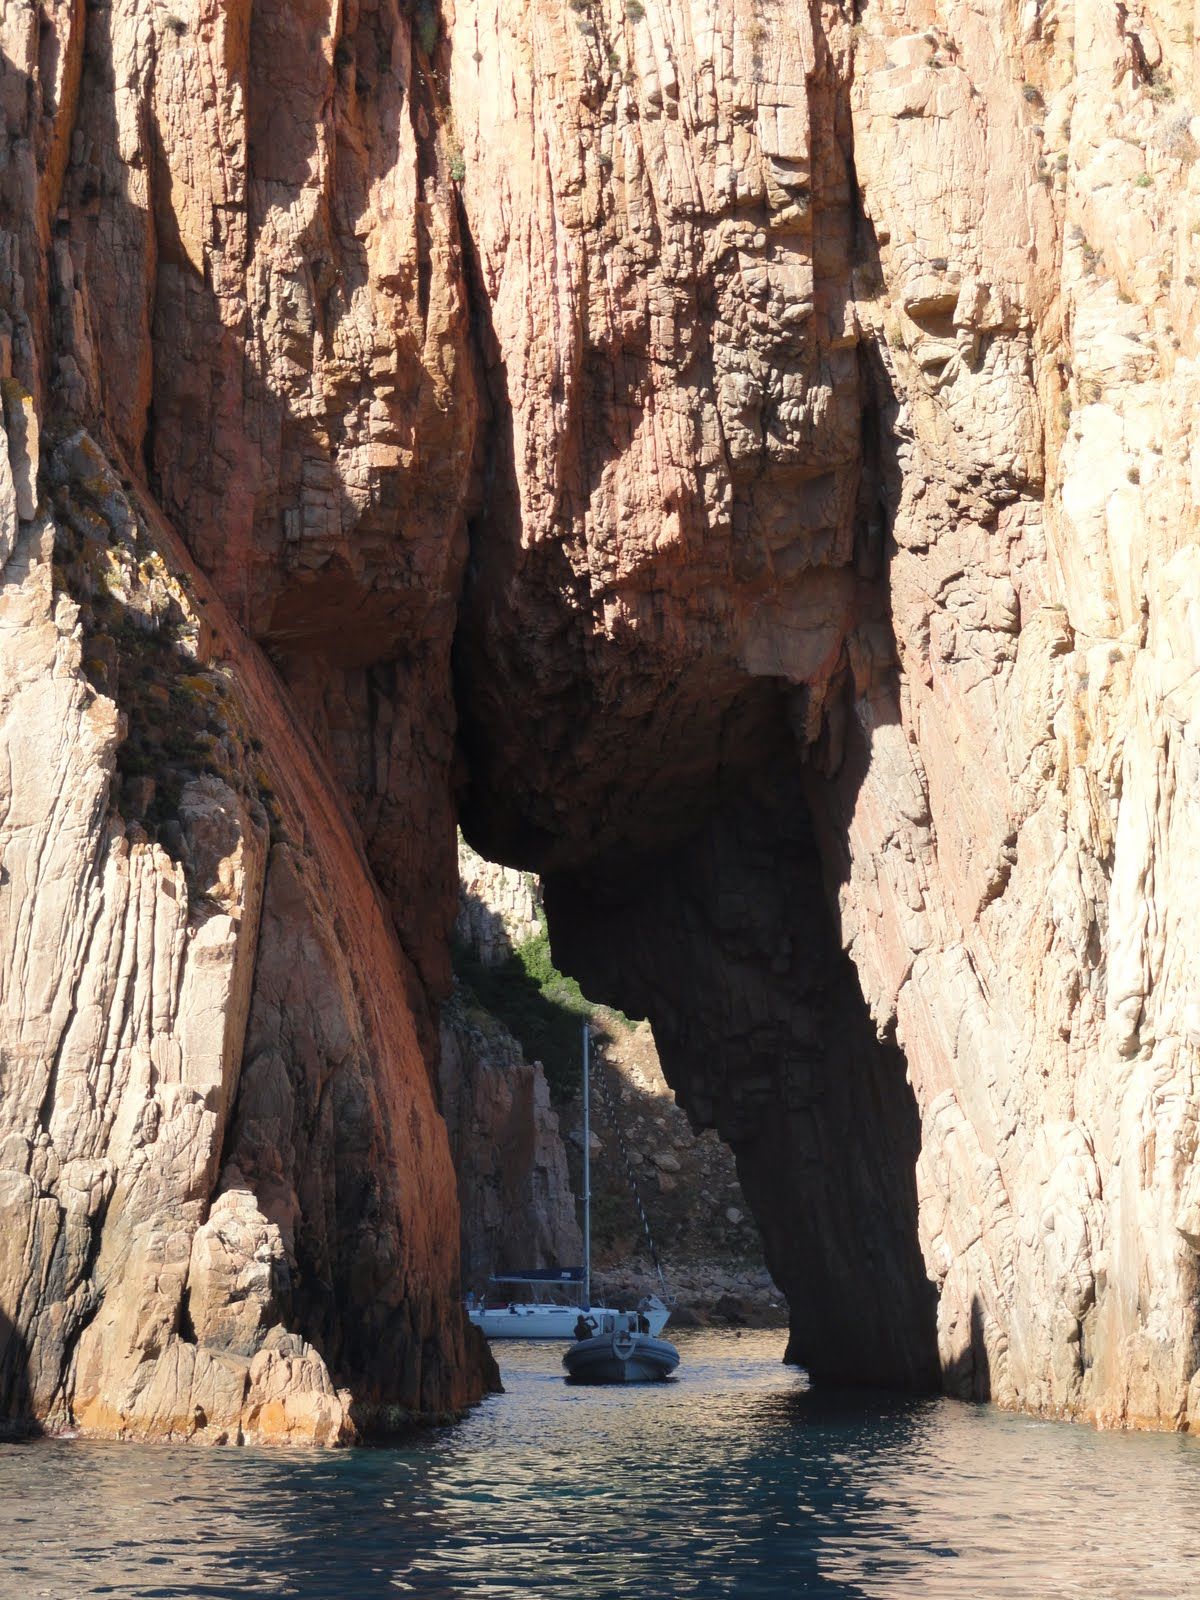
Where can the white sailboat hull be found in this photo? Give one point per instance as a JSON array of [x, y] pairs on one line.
[[543, 1319], [539, 1321]]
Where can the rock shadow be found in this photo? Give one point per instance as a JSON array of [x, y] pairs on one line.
[[689, 816], [17, 1417], [969, 1375]]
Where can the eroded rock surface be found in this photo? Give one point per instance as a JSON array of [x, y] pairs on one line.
[[787, 415], [741, 371], [228, 1209]]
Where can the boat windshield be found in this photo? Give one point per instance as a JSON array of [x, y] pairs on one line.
[[548, 1286]]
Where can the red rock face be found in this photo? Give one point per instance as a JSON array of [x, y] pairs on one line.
[[735, 373], [665, 563], [227, 1192], [277, 332], [680, 568], [731, 451]]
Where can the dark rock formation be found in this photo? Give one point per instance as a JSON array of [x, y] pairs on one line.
[[515, 1196], [725, 941]]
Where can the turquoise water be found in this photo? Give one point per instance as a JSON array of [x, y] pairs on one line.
[[734, 1480]]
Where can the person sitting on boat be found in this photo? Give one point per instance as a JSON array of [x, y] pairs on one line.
[[584, 1326]]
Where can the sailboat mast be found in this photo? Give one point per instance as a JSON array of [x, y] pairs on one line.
[[587, 1180]]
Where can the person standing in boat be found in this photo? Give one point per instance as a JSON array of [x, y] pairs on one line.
[[584, 1327]]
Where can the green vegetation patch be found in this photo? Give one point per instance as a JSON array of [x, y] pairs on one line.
[[539, 1005], [428, 26]]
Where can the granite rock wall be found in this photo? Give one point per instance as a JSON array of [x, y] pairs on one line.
[[681, 436], [228, 1205], [845, 361]]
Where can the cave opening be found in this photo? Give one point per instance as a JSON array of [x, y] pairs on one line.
[[665, 700], [668, 1212], [719, 930], [724, 940]]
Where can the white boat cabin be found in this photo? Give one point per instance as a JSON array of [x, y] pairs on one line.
[[543, 1318]]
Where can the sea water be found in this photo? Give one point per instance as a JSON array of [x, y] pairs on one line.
[[735, 1479]]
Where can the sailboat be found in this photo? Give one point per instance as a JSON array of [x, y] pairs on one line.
[[531, 1312]]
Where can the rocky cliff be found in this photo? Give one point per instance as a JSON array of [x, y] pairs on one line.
[[737, 452], [228, 1204], [515, 1194], [659, 1189], [517, 1204], [842, 533]]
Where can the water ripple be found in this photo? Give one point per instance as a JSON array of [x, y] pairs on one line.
[[736, 1480]]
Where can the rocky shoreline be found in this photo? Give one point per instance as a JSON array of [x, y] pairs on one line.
[[702, 1295]]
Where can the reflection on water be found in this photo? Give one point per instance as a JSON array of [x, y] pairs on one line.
[[734, 1480]]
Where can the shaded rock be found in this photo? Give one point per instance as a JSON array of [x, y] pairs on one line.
[[515, 1195], [498, 909], [733, 1310]]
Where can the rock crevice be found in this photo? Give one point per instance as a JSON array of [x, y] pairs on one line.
[[737, 454]]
